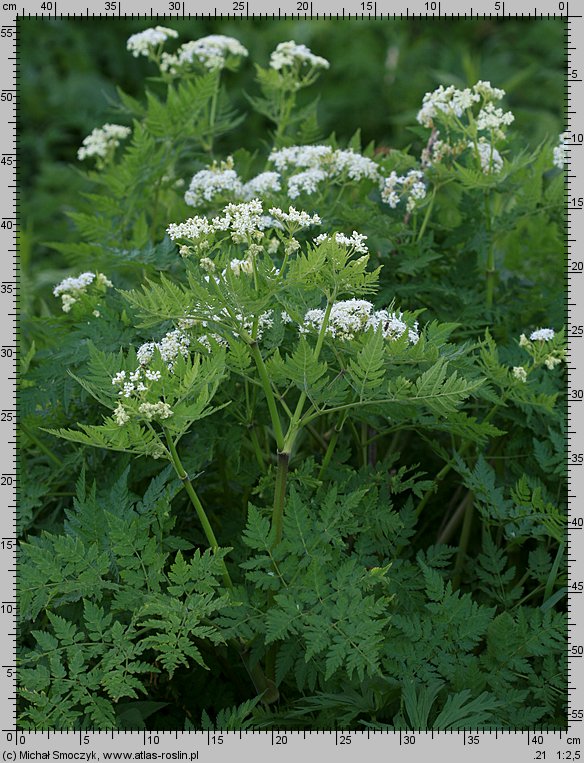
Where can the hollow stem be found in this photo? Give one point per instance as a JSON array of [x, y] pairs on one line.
[[329, 453], [201, 514], [270, 399], [280, 497]]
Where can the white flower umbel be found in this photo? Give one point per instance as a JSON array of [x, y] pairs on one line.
[[120, 415], [171, 345], [354, 165], [451, 102], [294, 219], [491, 117], [552, 361], [321, 163], [519, 373], [542, 335], [262, 185], [149, 41], [356, 241], [290, 54], [397, 187], [213, 52], [307, 182], [219, 178], [159, 410], [102, 142], [489, 157], [72, 288], [192, 229], [300, 156], [487, 91], [446, 101], [238, 267], [560, 151], [353, 316]]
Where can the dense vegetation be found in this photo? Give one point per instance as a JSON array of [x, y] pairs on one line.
[[292, 416]]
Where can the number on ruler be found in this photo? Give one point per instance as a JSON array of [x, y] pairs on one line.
[[174, 5], [47, 5]]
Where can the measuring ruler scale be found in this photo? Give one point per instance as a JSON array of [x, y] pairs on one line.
[[221, 746]]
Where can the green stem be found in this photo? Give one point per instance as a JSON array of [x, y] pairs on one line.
[[213, 112], [297, 415], [490, 270], [41, 446], [203, 519], [270, 399], [329, 453], [426, 219], [280, 497]]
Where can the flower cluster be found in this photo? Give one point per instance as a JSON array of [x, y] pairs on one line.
[[136, 382], [451, 102], [397, 187], [493, 119], [354, 316], [542, 335], [319, 164], [560, 151], [536, 346], [71, 289], [147, 42], [294, 219], [219, 178], [171, 345], [356, 241], [289, 54], [214, 53], [102, 142], [489, 157]]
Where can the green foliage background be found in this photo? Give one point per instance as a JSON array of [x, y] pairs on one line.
[[113, 549]]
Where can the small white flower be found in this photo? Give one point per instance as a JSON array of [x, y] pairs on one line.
[[158, 410], [490, 117], [102, 141], [447, 101], [306, 181], [241, 266], [409, 186], [353, 316], [560, 151], [146, 42], [212, 52], [120, 415], [552, 361], [523, 341], [219, 178], [285, 317], [542, 335], [262, 185], [288, 54], [490, 158], [207, 264], [520, 373], [74, 285], [295, 218]]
